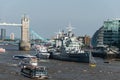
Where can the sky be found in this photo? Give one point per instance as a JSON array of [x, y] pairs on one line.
[[49, 16]]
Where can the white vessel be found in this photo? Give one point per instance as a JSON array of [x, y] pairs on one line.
[[31, 61], [42, 52], [26, 60]]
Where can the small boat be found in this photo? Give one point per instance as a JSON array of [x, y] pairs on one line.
[[42, 52], [107, 61], [92, 64], [31, 61], [39, 72], [92, 61], [2, 50], [17, 57]]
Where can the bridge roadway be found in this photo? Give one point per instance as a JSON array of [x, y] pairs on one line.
[[9, 24]]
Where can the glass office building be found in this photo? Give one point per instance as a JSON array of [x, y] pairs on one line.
[[97, 39], [111, 35], [108, 34]]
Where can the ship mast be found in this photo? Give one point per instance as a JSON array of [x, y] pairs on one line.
[[70, 28]]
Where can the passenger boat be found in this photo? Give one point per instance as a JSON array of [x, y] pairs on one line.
[[31, 61], [39, 72]]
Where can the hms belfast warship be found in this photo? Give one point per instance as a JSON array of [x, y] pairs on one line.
[[69, 48]]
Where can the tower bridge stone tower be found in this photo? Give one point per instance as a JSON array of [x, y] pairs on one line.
[[25, 41]]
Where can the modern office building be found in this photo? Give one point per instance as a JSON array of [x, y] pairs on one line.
[[109, 34], [97, 39], [112, 32], [3, 34]]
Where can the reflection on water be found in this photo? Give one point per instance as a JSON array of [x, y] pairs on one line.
[[58, 70]]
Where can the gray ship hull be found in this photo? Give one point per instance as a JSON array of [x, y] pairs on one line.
[[78, 57]]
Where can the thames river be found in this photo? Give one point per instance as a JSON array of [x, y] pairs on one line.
[[58, 70]]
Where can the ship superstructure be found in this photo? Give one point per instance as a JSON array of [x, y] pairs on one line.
[[69, 48]]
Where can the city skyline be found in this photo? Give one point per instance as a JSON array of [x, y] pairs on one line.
[[50, 16]]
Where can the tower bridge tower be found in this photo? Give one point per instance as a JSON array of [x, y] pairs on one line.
[[25, 40]]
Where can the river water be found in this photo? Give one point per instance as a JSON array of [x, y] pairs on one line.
[[58, 70]]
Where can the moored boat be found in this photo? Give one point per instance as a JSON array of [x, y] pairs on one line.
[[2, 50], [78, 57], [68, 48], [21, 57], [42, 52]]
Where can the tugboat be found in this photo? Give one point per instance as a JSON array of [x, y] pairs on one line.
[[70, 48]]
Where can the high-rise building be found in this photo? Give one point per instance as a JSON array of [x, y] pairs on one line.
[[109, 34], [3, 34], [12, 36]]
